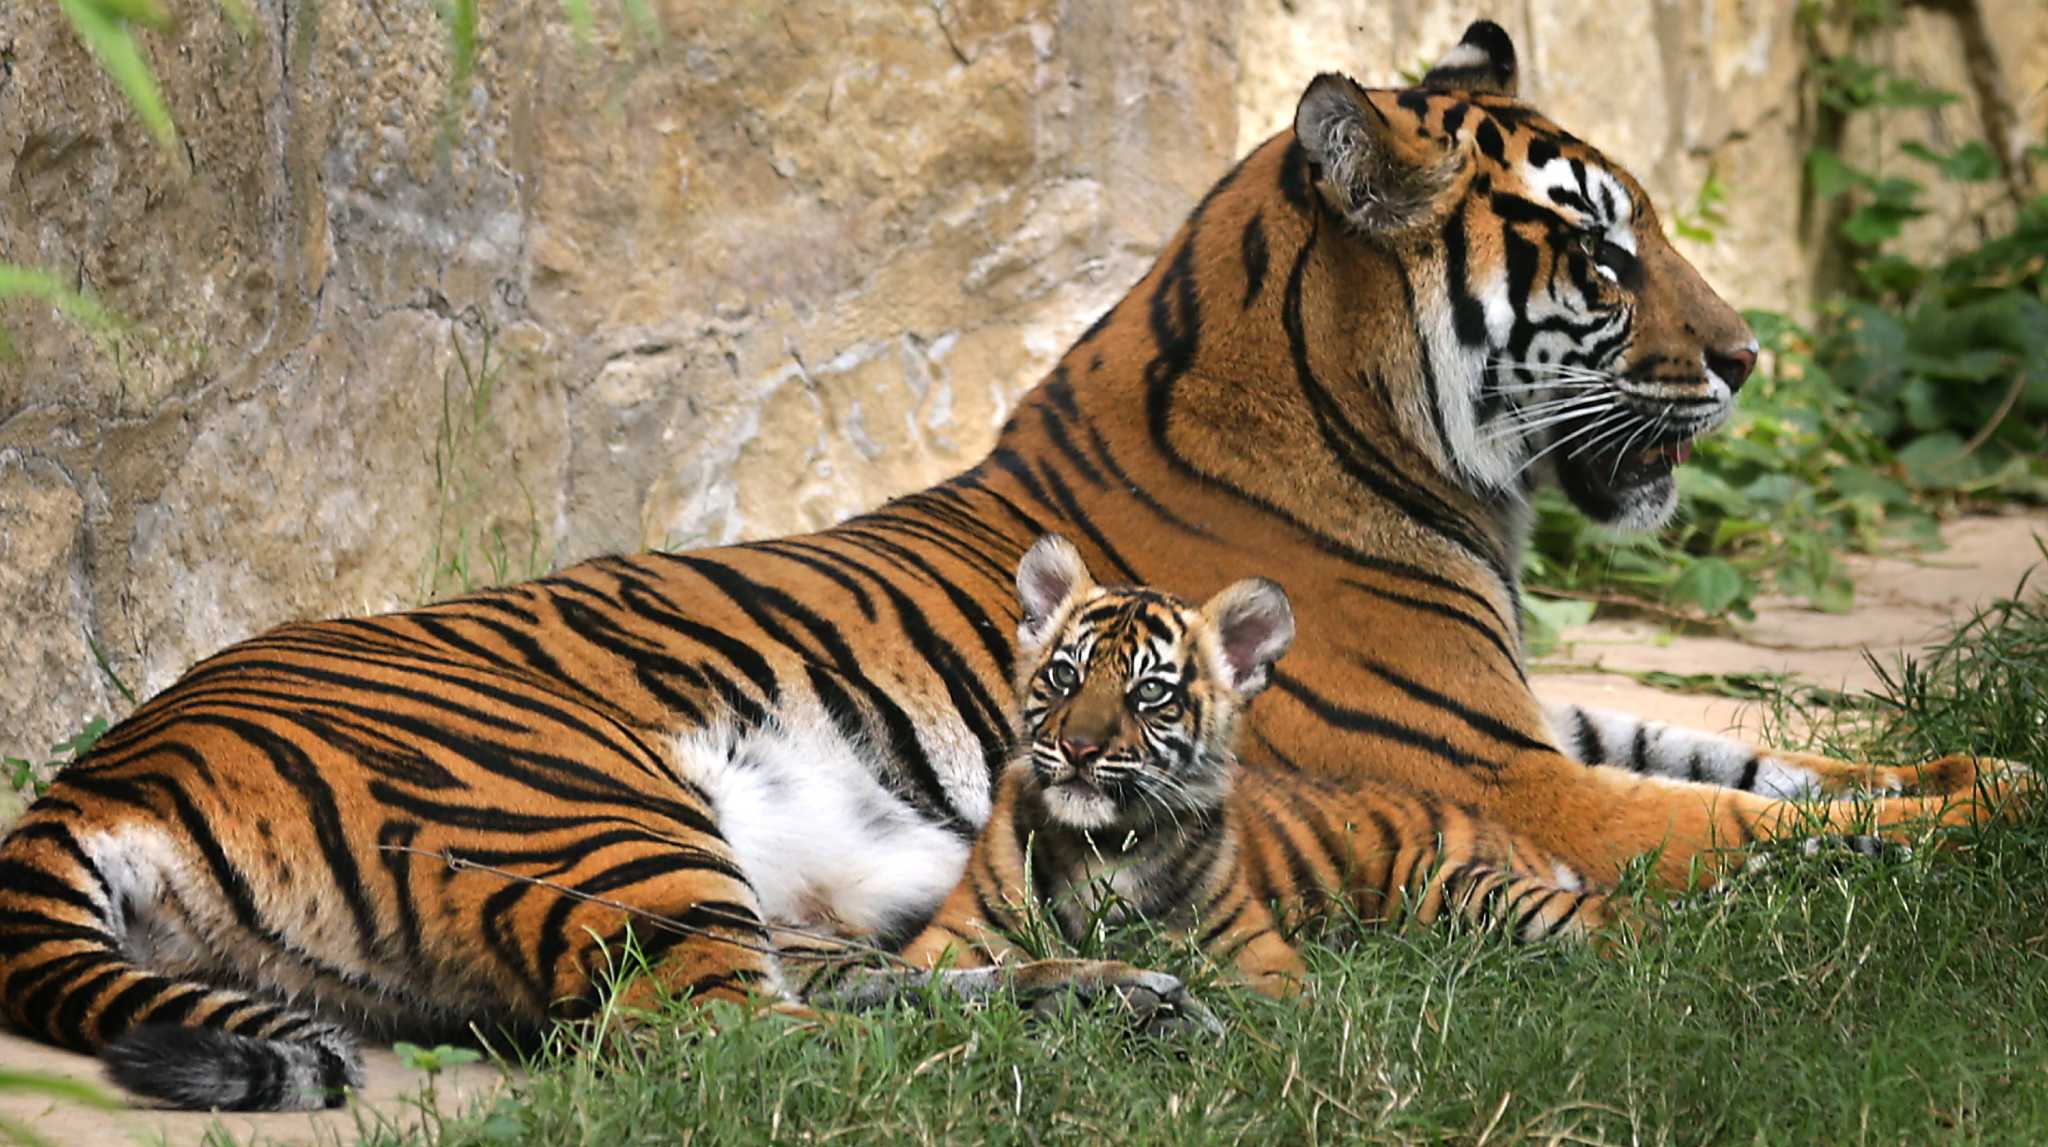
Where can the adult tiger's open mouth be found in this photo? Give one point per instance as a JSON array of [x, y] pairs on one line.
[[1641, 465], [1631, 485]]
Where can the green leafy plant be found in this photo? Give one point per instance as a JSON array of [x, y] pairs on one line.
[[466, 554], [434, 1060], [28, 283], [1919, 389], [31, 778], [1700, 220]]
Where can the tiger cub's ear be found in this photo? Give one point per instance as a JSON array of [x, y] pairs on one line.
[[1378, 177], [1052, 572], [1254, 625], [1482, 63]]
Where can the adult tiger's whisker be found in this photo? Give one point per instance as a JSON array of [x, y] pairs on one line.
[[1576, 408], [1585, 448], [1596, 424]]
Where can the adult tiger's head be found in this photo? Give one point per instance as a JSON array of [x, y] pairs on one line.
[[1564, 335], [1128, 699], [1433, 293]]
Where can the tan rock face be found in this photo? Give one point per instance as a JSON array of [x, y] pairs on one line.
[[749, 276]]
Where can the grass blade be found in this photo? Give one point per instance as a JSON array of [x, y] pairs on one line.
[[238, 14], [56, 1087], [148, 13], [580, 21], [99, 655], [103, 25], [28, 282], [645, 23]]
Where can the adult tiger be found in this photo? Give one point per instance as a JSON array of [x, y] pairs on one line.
[[1347, 369]]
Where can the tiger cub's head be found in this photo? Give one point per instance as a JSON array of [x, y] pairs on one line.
[[1128, 699]]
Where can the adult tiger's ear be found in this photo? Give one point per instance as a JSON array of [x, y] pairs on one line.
[[1254, 625], [1483, 63], [1052, 572], [1379, 177]]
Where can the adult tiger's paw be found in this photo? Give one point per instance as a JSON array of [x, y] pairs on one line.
[[1985, 778], [1157, 1004]]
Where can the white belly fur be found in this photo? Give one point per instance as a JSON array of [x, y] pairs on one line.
[[821, 841]]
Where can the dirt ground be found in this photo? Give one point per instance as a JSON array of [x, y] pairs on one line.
[[1902, 603]]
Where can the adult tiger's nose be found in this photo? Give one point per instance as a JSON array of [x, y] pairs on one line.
[[1080, 748], [1733, 366]]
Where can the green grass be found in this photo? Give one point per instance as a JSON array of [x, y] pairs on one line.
[[1831, 998]]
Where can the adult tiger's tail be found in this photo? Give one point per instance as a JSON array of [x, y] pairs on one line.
[[69, 973]]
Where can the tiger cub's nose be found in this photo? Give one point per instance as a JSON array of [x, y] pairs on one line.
[[1080, 748]]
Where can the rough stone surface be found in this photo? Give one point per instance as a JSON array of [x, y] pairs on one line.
[[745, 276]]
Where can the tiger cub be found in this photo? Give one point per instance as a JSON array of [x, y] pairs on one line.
[[1125, 798]]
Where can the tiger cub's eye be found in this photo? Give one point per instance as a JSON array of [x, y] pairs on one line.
[[1062, 676], [1150, 692]]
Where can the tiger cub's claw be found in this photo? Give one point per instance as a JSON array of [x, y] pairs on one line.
[[1157, 1004]]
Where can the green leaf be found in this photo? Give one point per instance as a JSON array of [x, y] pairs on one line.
[[1746, 686], [1891, 274], [434, 1060], [1859, 481], [1905, 92], [1931, 459], [504, 1124], [1544, 620], [1831, 177], [1970, 163], [1690, 231], [106, 34], [1834, 595], [1777, 489], [82, 743], [1874, 225], [1712, 584]]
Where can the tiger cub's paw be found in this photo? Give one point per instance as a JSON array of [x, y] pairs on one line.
[[1157, 1004]]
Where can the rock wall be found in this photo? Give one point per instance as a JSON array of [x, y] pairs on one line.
[[748, 275]]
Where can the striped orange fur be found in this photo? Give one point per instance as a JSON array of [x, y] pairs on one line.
[[1364, 348], [1125, 799]]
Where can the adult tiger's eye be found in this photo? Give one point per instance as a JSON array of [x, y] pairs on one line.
[[1062, 676], [1150, 692], [1617, 259]]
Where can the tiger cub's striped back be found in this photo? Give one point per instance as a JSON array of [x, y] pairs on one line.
[[1125, 797]]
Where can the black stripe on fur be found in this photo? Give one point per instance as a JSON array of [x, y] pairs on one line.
[[209, 1069]]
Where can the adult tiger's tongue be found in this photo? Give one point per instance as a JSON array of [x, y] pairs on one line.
[[1665, 454]]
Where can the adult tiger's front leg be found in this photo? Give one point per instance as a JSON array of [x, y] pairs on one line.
[[1620, 740]]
